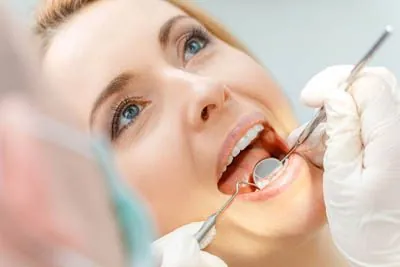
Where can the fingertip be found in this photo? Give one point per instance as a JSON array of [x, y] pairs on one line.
[[340, 70], [209, 260], [317, 89], [311, 97]]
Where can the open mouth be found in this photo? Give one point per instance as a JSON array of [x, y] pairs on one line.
[[257, 141]]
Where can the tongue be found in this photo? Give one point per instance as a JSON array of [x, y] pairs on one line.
[[241, 169]]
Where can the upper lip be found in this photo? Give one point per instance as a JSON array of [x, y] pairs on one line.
[[237, 132]]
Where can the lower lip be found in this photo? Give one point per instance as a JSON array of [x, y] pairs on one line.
[[280, 183]]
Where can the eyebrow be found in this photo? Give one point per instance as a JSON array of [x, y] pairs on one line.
[[116, 85], [165, 30], [120, 82]]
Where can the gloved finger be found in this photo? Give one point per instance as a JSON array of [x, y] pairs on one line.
[[209, 260], [314, 147], [180, 241], [344, 144], [181, 251], [376, 95], [342, 126], [189, 230], [344, 151], [186, 252], [323, 83]]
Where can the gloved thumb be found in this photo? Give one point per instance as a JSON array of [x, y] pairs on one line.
[[184, 251], [314, 147], [180, 249]]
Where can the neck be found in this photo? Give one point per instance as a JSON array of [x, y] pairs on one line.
[[315, 252], [318, 251]]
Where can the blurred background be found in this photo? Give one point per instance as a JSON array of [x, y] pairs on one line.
[[295, 39]]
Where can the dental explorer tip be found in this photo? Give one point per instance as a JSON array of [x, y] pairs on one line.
[[389, 28]]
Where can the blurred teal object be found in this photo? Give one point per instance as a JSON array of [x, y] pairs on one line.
[[134, 221]]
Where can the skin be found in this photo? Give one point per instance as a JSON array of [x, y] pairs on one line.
[[166, 153]]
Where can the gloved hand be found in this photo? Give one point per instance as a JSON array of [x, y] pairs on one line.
[[180, 249], [361, 162]]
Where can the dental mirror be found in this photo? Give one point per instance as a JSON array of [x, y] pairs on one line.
[[263, 169]]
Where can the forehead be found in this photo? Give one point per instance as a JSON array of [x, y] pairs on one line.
[[116, 24], [104, 39]]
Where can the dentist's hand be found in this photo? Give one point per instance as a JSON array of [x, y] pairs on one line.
[[180, 249], [361, 161]]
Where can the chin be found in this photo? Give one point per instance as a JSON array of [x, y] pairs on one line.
[[298, 210]]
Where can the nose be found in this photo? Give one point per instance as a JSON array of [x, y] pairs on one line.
[[209, 98]]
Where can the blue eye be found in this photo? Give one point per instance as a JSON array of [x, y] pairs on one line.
[[124, 116], [193, 47], [128, 115], [195, 41]]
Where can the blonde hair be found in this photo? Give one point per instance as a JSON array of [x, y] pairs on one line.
[[54, 13]]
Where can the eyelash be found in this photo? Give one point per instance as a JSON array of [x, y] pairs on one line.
[[119, 108]]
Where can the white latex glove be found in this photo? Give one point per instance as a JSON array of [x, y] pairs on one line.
[[361, 162], [180, 249]]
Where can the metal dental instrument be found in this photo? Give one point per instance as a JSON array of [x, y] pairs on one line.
[[265, 167], [209, 224]]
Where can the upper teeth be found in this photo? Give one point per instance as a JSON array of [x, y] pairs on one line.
[[244, 142]]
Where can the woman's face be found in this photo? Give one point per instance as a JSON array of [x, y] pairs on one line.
[[174, 101]]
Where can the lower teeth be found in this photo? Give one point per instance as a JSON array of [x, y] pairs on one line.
[[267, 181]]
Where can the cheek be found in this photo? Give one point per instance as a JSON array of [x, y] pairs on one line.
[[304, 201], [160, 172], [253, 82]]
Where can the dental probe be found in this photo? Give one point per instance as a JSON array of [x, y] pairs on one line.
[[321, 114], [265, 167], [209, 224]]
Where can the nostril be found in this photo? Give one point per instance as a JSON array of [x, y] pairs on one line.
[[205, 113]]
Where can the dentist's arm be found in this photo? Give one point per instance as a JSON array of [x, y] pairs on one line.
[[361, 161]]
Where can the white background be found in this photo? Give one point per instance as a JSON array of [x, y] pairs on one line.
[[297, 38]]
